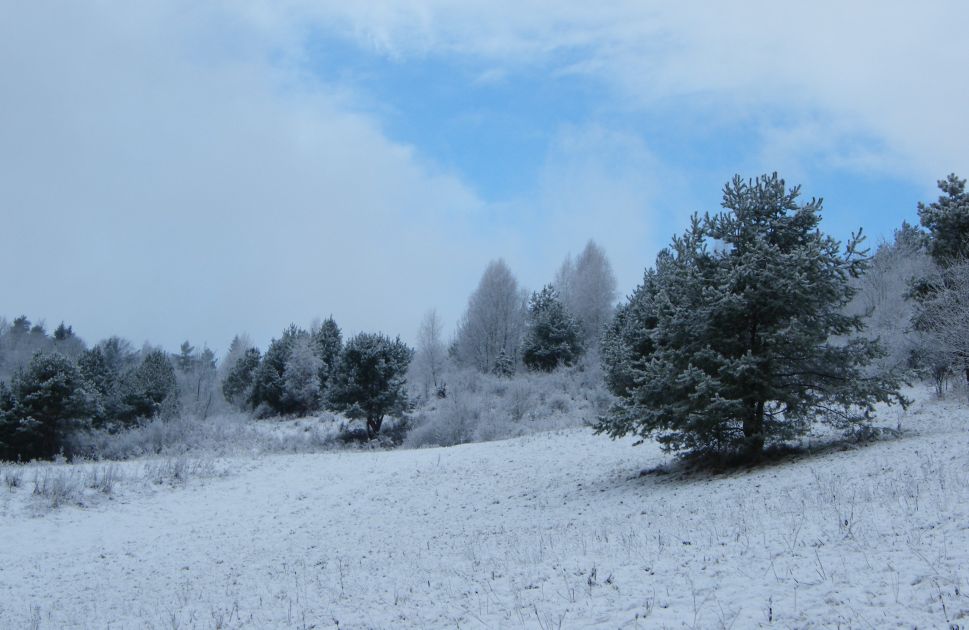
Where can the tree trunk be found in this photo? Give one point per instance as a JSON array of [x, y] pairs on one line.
[[373, 426], [754, 430]]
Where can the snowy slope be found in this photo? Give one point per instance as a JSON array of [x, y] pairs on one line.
[[547, 531]]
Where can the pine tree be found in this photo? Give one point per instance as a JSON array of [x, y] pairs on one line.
[[940, 294], [150, 389], [269, 380], [726, 347], [327, 344], [370, 379], [44, 404], [552, 336], [948, 222], [186, 357], [238, 383]]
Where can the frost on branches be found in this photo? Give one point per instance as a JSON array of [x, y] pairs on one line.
[[739, 336]]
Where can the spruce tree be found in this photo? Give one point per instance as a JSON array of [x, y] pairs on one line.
[[739, 336], [552, 334]]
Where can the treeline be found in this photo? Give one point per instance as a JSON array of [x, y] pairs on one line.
[[54, 386], [66, 387], [752, 325], [303, 372]]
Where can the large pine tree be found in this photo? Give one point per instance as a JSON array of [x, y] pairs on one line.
[[739, 336]]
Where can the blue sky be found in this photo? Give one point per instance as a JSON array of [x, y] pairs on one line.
[[178, 170]]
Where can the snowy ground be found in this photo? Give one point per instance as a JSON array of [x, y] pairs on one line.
[[546, 531]]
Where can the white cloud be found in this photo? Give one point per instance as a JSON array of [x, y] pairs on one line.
[[887, 70], [160, 178], [176, 162]]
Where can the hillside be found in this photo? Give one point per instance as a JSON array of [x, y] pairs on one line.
[[545, 531]]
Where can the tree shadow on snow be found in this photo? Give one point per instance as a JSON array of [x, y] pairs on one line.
[[700, 466]]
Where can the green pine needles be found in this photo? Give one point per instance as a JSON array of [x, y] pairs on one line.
[[739, 336]]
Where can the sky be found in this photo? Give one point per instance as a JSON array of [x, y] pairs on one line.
[[175, 170]]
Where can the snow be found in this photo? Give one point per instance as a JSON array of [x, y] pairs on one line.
[[545, 531]]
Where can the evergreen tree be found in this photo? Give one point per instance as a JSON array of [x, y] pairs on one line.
[[66, 342], [238, 383], [948, 222], [728, 346], [102, 382], [370, 378], [327, 345], [503, 366], [150, 389], [44, 404], [940, 294], [269, 384], [186, 358], [552, 336]]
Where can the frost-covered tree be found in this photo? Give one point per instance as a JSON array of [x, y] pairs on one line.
[[44, 404], [740, 335], [947, 221], [327, 345], [150, 389], [503, 366], [884, 296], [197, 380], [238, 381], [552, 336], [494, 320], [66, 342], [942, 320], [431, 354], [269, 382], [587, 288], [370, 379], [18, 346], [185, 359], [301, 378]]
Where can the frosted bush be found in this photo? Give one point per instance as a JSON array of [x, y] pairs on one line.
[[484, 407]]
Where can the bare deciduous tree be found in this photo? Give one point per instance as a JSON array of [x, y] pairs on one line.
[[431, 352], [587, 288], [494, 321], [943, 319]]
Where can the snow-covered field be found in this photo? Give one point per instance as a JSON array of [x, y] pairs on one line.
[[554, 530]]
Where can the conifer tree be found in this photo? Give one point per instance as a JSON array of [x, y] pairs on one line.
[[237, 386], [327, 345], [370, 378], [948, 222], [503, 366], [739, 336], [269, 380], [45, 403], [552, 334], [150, 389]]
